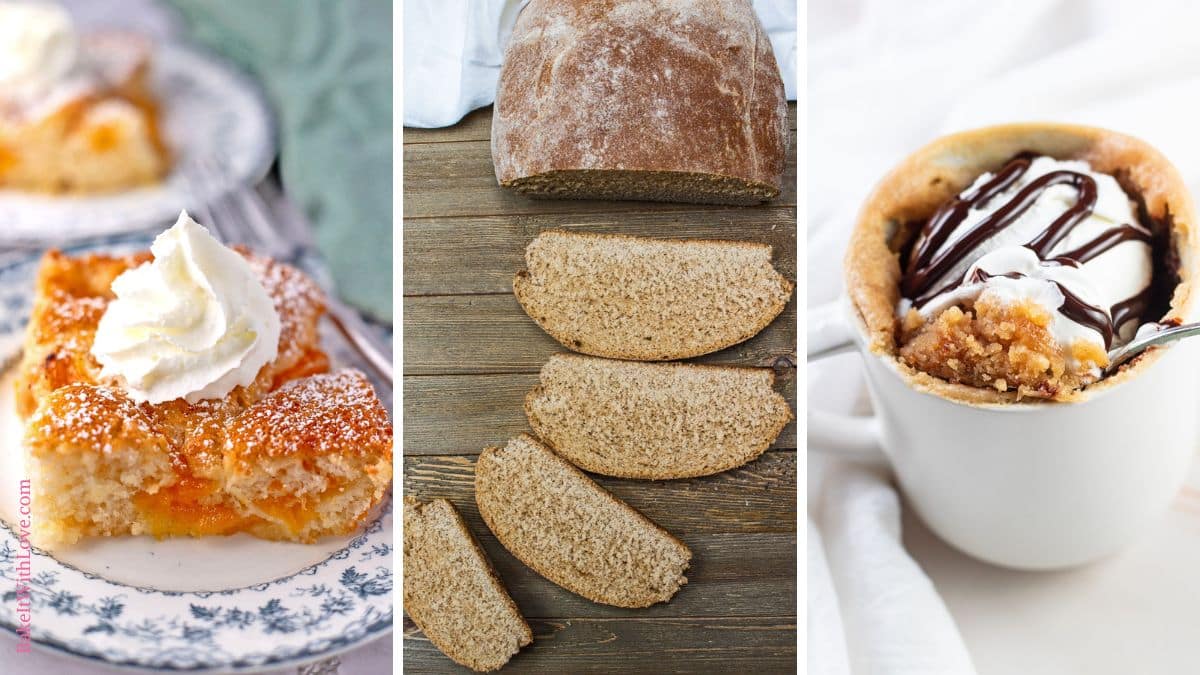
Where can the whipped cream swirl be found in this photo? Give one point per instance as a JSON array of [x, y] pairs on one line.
[[194, 323], [38, 49], [1053, 232]]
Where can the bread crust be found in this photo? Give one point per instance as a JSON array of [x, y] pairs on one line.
[[682, 86], [623, 467], [572, 333], [417, 610], [562, 577], [913, 190]]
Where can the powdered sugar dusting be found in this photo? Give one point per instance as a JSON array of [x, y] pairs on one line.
[[92, 416], [329, 413], [298, 301], [64, 314], [74, 295], [334, 413]]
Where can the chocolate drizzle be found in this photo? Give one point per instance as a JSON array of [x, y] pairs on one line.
[[1132, 308], [924, 278], [1084, 314], [1101, 244]]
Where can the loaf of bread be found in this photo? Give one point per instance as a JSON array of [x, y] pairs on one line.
[[655, 420], [570, 530], [453, 594], [648, 299], [665, 100]]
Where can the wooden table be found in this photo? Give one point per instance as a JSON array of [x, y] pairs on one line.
[[470, 356]]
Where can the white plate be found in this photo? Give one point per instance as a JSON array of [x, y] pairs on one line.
[[210, 111], [215, 603]]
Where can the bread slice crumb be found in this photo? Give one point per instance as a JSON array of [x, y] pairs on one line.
[[648, 299], [570, 530], [655, 420], [452, 592]]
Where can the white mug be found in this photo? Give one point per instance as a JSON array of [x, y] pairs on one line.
[[1030, 485]]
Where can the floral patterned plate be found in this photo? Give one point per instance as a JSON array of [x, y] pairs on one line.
[[216, 603]]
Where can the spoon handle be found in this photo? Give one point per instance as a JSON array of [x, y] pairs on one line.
[[1118, 356]]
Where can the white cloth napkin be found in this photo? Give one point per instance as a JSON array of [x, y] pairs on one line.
[[453, 50], [884, 79]]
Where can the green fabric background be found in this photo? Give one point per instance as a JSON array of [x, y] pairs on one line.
[[327, 67]]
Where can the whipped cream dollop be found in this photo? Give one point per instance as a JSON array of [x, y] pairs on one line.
[[194, 323], [39, 49], [1099, 271]]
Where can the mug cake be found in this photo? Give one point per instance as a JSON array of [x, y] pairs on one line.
[[1005, 263]]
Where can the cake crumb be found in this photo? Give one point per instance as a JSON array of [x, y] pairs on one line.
[[1008, 346]]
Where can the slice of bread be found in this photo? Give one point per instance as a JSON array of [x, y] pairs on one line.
[[648, 299], [453, 594], [655, 420], [570, 530]]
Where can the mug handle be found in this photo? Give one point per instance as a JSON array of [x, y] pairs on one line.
[[853, 437]]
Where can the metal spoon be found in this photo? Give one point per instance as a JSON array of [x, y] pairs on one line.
[[1122, 354]]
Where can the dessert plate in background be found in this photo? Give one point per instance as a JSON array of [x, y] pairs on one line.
[[209, 110], [212, 603]]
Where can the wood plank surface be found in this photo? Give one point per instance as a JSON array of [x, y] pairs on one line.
[[471, 355], [436, 252], [756, 498], [477, 334], [730, 575], [757, 645], [455, 414]]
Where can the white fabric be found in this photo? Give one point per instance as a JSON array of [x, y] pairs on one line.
[[453, 50], [885, 78]]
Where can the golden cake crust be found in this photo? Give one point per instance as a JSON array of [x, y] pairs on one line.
[[327, 414], [85, 415], [72, 292], [296, 455], [311, 457], [928, 178]]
